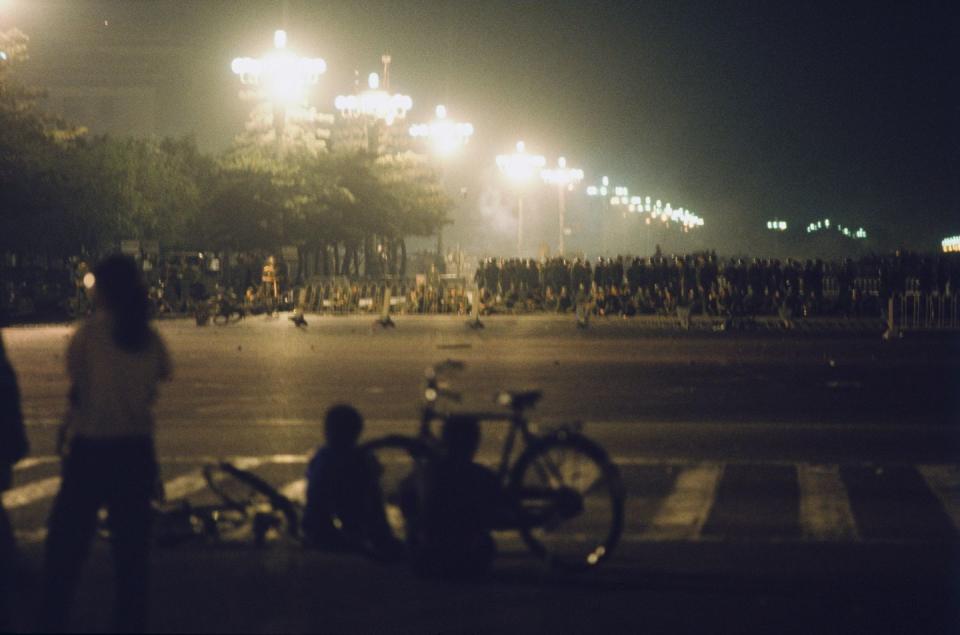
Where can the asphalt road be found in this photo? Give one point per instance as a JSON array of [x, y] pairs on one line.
[[810, 482]]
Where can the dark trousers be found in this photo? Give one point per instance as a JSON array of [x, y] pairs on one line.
[[118, 474], [7, 563]]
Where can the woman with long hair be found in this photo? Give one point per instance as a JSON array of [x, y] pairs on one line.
[[114, 361]]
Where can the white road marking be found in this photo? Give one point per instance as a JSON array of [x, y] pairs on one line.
[[825, 513], [685, 510], [33, 461], [944, 480], [31, 493], [296, 490], [193, 481]]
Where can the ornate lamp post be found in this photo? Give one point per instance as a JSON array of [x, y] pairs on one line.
[[446, 137], [564, 178], [520, 167], [280, 77], [375, 103]]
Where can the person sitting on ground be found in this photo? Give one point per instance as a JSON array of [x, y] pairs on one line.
[[344, 509], [462, 502]]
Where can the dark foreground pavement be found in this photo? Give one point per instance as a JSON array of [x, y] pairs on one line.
[[652, 588]]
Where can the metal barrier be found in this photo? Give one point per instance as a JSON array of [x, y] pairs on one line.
[[914, 311]]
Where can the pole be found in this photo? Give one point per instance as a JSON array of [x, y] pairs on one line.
[[562, 205], [520, 226]]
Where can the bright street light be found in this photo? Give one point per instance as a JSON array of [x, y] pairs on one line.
[[520, 168], [281, 75], [564, 178], [374, 102], [446, 135], [281, 78]]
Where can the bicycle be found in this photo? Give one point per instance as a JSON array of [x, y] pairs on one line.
[[248, 506], [227, 310], [569, 493]]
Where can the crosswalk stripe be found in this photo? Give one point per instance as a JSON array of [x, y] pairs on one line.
[[33, 461], [31, 493], [193, 481], [685, 510], [944, 480], [825, 513], [295, 490], [825, 509]]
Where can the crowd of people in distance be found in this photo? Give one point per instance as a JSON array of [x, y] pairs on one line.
[[698, 284], [710, 285]]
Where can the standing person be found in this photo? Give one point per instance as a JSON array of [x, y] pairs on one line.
[[13, 447], [270, 283], [114, 361]]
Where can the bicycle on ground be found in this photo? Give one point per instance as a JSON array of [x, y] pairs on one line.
[[247, 508]]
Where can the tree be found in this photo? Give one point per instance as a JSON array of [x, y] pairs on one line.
[[32, 147]]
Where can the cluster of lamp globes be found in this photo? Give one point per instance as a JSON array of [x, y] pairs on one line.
[[951, 244], [819, 225], [283, 77]]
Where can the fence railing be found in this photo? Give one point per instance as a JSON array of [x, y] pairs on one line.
[[915, 311]]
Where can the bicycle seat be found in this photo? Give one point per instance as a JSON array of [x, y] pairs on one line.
[[519, 400]]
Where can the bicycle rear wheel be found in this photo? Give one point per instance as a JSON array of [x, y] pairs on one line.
[[247, 493], [571, 500], [400, 461]]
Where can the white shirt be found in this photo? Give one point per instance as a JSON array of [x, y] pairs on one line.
[[115, 389]]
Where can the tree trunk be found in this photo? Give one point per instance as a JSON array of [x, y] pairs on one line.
[[403, 258]]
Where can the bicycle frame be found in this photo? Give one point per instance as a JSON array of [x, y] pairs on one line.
[[518, 423]]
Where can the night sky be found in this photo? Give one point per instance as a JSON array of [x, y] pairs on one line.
[[738, 111]]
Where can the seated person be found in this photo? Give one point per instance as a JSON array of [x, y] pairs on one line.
[[462, 502], [344, 509]]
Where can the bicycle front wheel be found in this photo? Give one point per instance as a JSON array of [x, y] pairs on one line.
[[571, 501], [253, 497]]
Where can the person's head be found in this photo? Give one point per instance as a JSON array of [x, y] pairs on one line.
[[119, 290], [461, 437], [342, 426]]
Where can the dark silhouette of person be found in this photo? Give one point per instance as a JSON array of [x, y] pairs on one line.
[[114, 361], [462, 502], [345, 507], [13, 447]]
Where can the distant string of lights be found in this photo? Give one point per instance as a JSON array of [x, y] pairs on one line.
[[655, 209], [820, 225], [951, 244]]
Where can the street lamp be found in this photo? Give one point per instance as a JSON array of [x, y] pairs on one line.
[[446, 137], [374, 102], [520, 167], [564, 178], [281, 77], [374, 105]]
